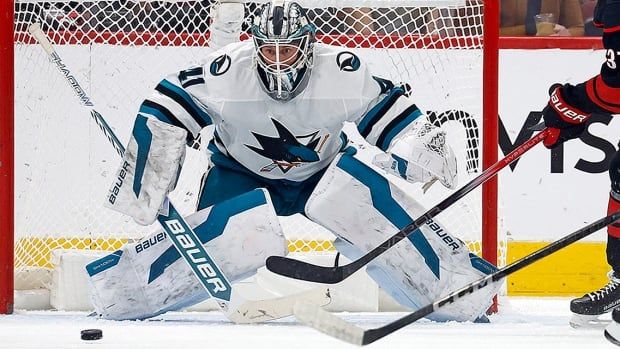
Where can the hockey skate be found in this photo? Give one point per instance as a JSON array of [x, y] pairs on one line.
[[612, 331], [587, 309]]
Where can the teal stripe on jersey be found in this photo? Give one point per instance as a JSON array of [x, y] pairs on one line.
[[184, 100], [392, 130], [156, 113], [378, 111]]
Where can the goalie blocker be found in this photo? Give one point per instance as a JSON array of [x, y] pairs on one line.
[[149, 169]]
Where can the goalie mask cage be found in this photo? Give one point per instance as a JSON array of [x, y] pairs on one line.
[[56, 167]]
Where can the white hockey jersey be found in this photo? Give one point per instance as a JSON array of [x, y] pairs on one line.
[[282, 140]]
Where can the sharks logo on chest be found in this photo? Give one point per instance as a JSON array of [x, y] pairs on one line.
[[286, 150]]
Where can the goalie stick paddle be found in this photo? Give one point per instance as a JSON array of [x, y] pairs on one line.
[[336, 327], [184, 239], [331, 275]]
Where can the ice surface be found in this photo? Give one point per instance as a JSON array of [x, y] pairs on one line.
[[522, 323]]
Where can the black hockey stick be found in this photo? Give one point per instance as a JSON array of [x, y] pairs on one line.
[[336, 327], [330, 275]]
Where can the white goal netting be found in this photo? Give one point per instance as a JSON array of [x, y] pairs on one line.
[[119, 50]]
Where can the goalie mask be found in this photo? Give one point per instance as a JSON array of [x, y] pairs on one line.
[[283, 39]]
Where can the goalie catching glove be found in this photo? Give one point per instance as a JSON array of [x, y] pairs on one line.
[[422, 155]]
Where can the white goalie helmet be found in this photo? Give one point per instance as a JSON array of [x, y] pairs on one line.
[[283, 39]]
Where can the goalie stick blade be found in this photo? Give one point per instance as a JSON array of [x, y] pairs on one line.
[[328, 323], [611, 338], [612, 333], [276, 308]]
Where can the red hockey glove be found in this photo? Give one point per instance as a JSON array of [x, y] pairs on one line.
[[565, 121]]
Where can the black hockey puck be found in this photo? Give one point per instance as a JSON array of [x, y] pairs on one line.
[[91, 334]]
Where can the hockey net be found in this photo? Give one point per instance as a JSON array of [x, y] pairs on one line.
[[119, 50]]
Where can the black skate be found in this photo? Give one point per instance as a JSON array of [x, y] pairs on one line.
[[587, 309], [612, 331]]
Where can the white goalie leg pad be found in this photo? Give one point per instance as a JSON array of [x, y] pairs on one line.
[[364, 209], [149, 277], [149, 169]]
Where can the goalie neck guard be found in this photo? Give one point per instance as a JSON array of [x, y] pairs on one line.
[[283, 39]]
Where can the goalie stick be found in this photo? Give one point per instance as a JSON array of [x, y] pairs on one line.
[[336, 327], [236, 308], [331, 275]]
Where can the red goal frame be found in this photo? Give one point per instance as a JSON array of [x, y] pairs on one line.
[[489, 146], [6, 157]]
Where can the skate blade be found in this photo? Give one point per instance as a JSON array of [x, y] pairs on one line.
[[588, 321], [611, 338], [612, 333]]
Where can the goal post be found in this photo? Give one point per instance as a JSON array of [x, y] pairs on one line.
[[52, 190], [6, 157], [490, 117]]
